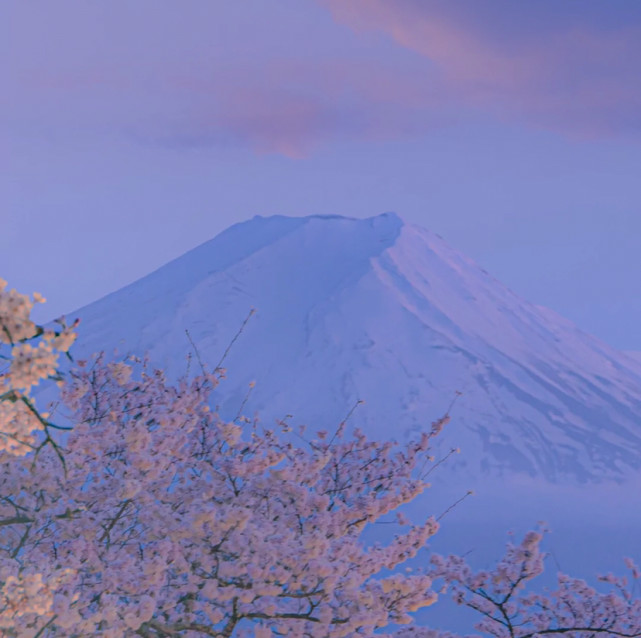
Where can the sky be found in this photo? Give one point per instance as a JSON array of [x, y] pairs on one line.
[[131, 132]]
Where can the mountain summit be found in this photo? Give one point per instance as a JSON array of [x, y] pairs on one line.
[[384, 311]]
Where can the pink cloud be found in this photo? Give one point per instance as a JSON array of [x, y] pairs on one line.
[[293, 108], [270, 90], [276, 106], [277, 122], [572, 76], [210, 76]]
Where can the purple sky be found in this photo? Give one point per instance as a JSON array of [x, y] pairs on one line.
[[133, 131]]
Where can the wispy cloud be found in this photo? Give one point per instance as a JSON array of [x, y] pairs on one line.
[[259, 89], [291, 78], [567, 69], [294, 108]]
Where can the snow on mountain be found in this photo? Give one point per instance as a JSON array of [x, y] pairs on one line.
[[381, 310]]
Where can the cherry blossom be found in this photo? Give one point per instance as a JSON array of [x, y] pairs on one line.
[[153, 516], [32, 354]]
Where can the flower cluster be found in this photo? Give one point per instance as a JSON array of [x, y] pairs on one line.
[[31, 353]]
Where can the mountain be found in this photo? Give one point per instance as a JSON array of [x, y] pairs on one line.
[[385, 311], [549, 422]]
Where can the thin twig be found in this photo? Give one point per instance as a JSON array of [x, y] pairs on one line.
[[341, 425], [231, 343], [453, 505], [244, 402], [196, 352], [442, 460]]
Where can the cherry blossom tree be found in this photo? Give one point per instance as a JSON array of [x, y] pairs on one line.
[[508, 609], [152, 516]]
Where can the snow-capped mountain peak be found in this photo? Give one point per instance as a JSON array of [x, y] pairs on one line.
[[381, 310]]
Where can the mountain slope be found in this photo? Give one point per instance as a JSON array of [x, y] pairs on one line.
[[380, 310]]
